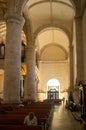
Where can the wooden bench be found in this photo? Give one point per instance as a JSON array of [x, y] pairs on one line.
[[17, 114], [25, 110], [19, 119], [20, 127]]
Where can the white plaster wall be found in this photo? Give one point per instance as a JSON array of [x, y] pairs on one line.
[[48, 71], [84, 42]]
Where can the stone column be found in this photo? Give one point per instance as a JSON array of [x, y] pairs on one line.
[[14, 24], [29, 88], [71, 67], [79, 49]]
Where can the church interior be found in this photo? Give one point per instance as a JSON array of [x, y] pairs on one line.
[[42, 54]]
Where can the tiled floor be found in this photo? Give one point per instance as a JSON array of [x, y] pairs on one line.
[[64, 120]]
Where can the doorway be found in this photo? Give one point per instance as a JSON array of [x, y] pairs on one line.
[[53, 89]]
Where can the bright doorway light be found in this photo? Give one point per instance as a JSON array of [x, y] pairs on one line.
[[53, 82]]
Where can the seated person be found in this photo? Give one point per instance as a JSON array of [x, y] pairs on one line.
[[30, 119]]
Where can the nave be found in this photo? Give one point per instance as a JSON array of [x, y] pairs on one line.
[[58, 117], [64, 120]]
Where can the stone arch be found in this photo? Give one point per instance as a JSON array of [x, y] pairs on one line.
[[56, 45], [43, 27]]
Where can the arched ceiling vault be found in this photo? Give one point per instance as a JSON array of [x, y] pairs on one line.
[[51, 22], [53, 12], [52, 35], [56, 16], [56, 48], [53, 52]]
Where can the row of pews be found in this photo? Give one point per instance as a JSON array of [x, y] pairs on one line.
[[12, 116], [19, 127]]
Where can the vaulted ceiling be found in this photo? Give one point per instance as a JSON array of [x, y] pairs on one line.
[[51, 24]]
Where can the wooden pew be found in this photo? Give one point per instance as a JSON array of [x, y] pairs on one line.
[[19, 119], [25, 110], [17, 115], [20, 127]]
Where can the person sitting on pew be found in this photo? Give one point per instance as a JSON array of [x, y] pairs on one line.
[[30, 119]]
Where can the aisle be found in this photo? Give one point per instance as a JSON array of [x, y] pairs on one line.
[[64, 120]]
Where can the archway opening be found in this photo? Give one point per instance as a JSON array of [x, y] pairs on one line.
[[53, 89]]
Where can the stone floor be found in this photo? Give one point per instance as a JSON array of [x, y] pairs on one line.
[[64, 120]]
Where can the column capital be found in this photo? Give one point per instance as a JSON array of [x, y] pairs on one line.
[[70, 46], [79, 7], [16, 5], [30, 47], [78, 18], [14, 17]]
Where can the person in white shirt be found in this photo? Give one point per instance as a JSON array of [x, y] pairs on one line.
[[30, 119]]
